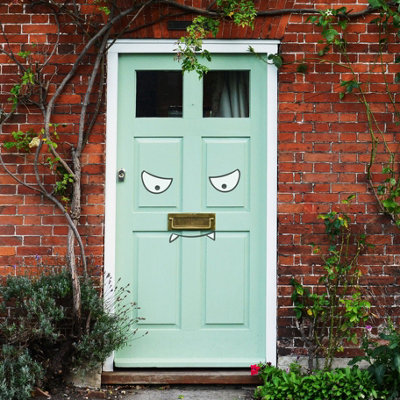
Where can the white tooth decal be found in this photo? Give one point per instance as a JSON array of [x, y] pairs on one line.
[[173, 237]]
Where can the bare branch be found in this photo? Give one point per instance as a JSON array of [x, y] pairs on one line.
[[99, 102], [55, 44], [93, 75], [265, 13], [15, 177], [125, 30], [72, 71]]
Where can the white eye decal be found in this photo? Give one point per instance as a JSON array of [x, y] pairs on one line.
[[155, 184], [227, 182]]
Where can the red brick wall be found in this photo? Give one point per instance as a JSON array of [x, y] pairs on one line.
[[323, 143], [324, 149]]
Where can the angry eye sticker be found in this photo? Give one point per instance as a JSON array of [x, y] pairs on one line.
[[225, 183], [155, 184]]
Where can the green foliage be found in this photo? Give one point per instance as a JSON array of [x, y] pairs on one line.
[[190, 47], [18, 373], [333, 24], [21, 140], [339, 384], [107, 331], [26, 79], [331, 313], [28, 141], [24, 54], [103, 6], [384, 360], [42, 325], [242, 12], [348, 86], [36, 313], [389, 191], [275, 59], [64, 181]]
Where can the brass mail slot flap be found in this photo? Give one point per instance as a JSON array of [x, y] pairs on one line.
[[191, 222]]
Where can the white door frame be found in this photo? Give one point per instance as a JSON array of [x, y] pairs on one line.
[[213, 46]]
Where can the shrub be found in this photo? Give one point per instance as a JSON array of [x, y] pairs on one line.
[[327, 316], [105, 331], [338, 384], [39, 322], [18, 373], [384, 360]]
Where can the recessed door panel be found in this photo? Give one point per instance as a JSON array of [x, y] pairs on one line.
[[158, 280], [158, 162], [227, 168], [227, 261]]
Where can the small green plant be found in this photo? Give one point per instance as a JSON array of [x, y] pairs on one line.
[[326, 318], [383, 357], [339, 384]]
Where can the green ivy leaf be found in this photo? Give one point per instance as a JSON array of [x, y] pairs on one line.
[[276, 60], [374, 3], [330, 34], [302, 68]]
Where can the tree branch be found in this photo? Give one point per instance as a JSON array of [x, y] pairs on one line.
[[15, 177], [93, 75], [263, 13]]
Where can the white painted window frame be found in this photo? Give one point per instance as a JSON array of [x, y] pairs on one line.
[[152, 46]]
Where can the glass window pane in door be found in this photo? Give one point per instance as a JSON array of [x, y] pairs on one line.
[[226, 94], [158, 94]]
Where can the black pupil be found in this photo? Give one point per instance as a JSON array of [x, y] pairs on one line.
[[157, 187], [223, 186]]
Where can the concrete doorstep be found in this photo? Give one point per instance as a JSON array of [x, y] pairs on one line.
[[190, 392]]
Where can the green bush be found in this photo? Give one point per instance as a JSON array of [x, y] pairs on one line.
[[18, 373], [384, 360], [39, 322], [338, 384]]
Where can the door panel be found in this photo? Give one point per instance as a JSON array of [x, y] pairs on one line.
[[158, 157], [224, 156], [157, 278], [227, 257], [201, 293]]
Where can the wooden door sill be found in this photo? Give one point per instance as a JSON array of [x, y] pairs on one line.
[[198, 376]]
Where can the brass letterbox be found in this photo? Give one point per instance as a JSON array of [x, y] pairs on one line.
[[191, 222]]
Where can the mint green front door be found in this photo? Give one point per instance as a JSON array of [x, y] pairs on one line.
[[201, 292]]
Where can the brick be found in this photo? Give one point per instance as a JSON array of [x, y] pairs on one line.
[[7, 251]]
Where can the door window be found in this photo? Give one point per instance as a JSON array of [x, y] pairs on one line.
[[158, 94], [226, 94]]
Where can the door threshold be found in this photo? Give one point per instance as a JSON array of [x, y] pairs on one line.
[[171, 376]]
